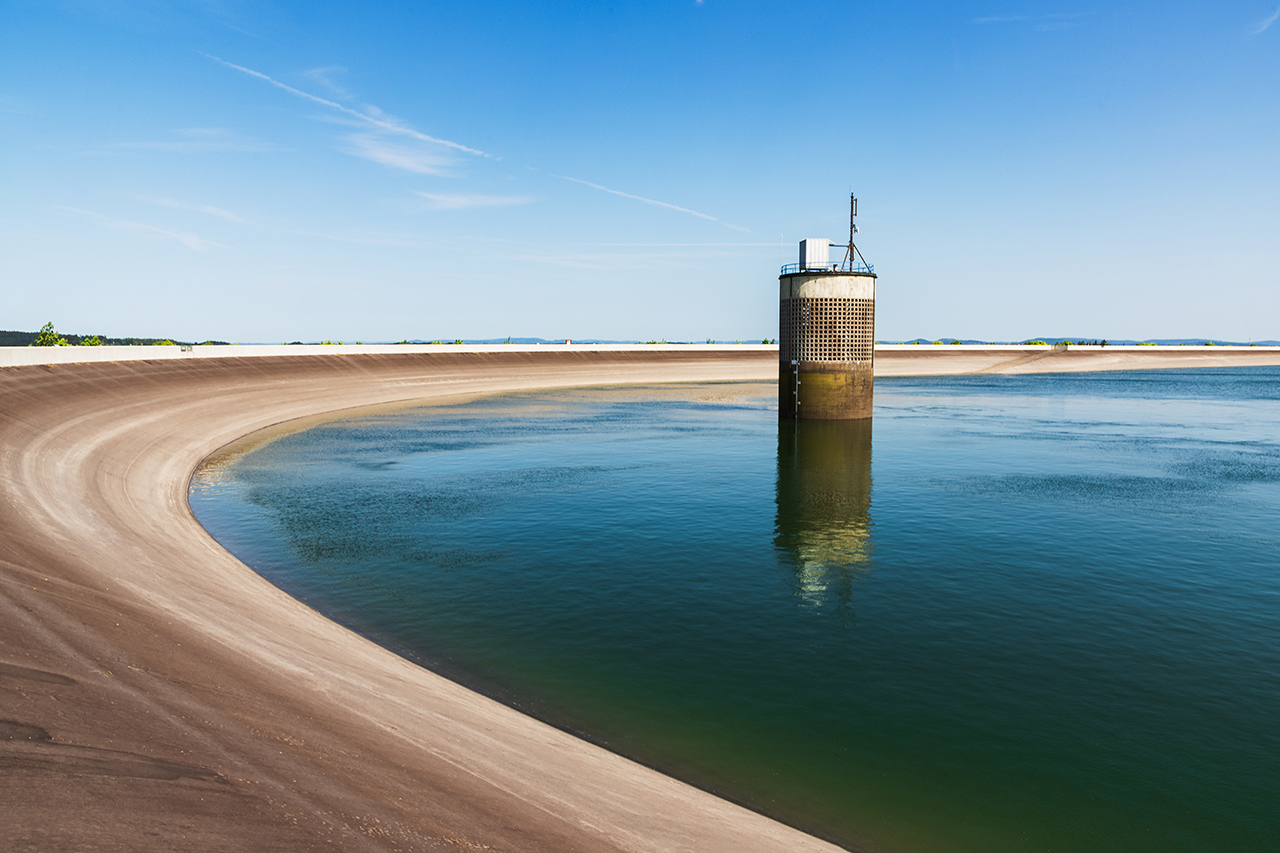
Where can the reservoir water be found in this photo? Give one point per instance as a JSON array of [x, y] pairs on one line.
[[1011, 613]]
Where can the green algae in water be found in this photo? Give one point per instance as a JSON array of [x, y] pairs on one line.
[[1016, 613]]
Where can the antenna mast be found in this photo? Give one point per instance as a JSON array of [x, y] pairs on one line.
[[851, 255]]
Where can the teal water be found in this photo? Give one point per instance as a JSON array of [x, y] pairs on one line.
[[1015, 613]]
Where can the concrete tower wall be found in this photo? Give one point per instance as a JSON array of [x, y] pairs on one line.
[[826, 349]]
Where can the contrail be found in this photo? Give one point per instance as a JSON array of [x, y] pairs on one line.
[[392, 126], [650, 201], [1261, 26], [191, 241], [396, 127]]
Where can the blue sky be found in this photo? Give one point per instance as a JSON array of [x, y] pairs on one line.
[[375, 171]]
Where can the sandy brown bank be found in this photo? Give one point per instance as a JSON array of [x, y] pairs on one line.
[[156, 694], [909, 360]]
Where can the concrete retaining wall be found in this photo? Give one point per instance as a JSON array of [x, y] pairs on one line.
[[15, 356]]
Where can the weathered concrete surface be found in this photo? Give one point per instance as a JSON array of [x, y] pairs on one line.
[[15, 356], [828, 391], [826, 285], [825, 361], [890, 359], [156, 694], [911, 360]]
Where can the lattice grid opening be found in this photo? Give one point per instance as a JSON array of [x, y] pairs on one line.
[[827, 329]]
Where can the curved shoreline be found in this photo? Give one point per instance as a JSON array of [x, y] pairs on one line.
[[159, 694], [891, 359]]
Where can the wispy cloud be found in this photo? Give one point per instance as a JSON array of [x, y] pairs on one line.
[[186, 238], [202, 139], [667, 205], [373, 117], [1039, 23], [198, 208], [1262, 25], [324, 76], [371, 146], [377, 149], [456, 201]]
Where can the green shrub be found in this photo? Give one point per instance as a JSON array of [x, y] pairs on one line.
[[91, 341], [47, 337]]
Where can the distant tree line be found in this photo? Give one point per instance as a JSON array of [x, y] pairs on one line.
[[50, 337]]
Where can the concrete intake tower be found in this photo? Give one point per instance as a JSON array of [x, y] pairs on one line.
[[826, 335]]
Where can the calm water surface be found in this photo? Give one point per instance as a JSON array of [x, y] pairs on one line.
[[1017, 613]]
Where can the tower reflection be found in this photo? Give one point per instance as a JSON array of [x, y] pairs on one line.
[[822, 527]]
